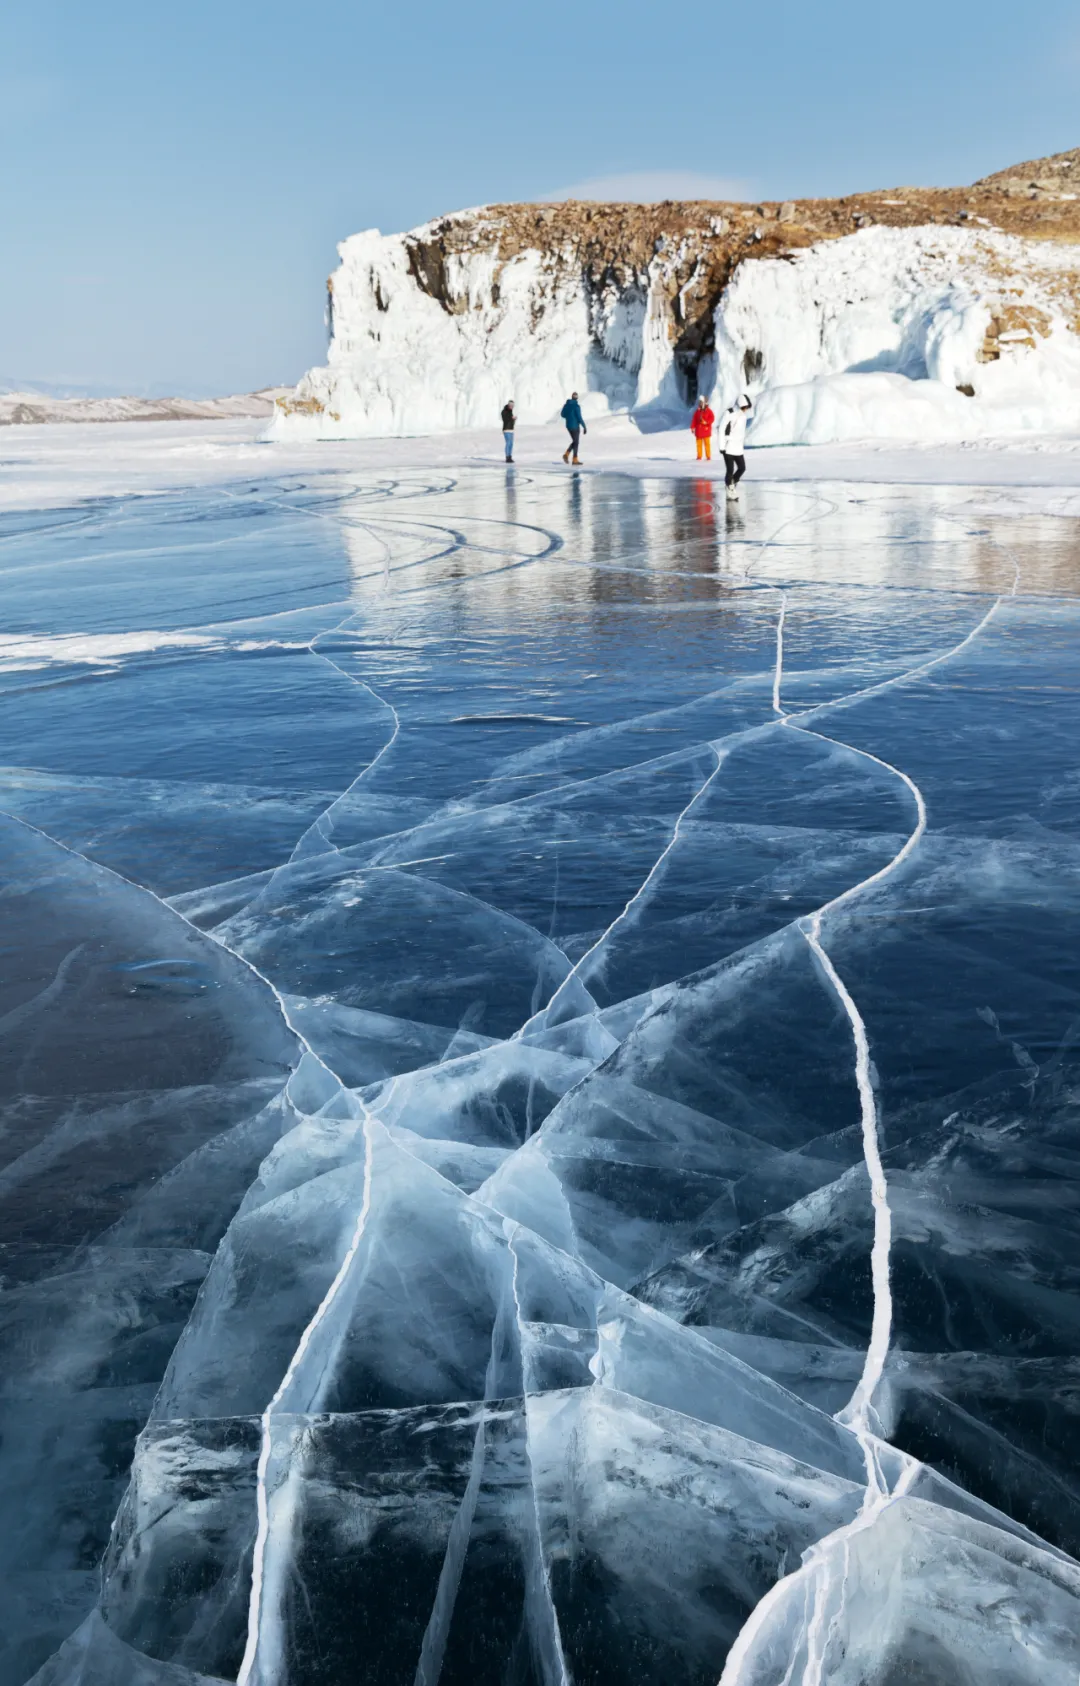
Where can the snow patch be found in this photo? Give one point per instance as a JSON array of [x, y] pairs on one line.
[[109, 649]]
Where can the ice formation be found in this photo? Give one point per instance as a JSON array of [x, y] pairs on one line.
[[927, 333], [922, 334], [539, 1064]]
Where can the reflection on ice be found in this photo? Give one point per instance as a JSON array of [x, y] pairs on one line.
[[436, 1187]]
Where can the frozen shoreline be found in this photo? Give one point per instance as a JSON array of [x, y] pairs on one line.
[[56, 465]]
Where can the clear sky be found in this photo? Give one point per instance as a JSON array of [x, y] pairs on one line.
[[174, 178]]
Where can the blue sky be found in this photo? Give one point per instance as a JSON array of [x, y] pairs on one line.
[[174, 179]]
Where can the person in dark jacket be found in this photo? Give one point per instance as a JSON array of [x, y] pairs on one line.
[[575, 426], [508, 428]]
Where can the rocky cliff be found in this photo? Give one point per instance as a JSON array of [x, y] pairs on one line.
[[952, 312]]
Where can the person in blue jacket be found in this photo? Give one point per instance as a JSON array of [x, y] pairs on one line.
[[575, 426]]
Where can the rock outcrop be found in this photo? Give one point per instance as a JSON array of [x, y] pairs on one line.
[[640, 307], [1056, 179]]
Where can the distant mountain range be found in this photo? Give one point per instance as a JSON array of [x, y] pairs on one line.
[[29, 404]]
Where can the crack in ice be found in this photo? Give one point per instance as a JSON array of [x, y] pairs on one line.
[[326, 817], [859, 1415], [542, 1020], [249, 1661], [250, 1658], [512, 1229]]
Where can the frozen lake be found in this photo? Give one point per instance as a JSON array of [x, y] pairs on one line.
[[541, 1058]]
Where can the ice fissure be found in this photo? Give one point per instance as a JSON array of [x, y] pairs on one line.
[[249, 1665], [319, 835], [549, 1647], [825, 1568]]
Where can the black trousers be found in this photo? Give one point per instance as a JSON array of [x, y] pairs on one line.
[[575, 439], [736, 468]]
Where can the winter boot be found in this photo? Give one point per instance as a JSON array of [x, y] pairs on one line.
[[566, 454], [576, 463], [732, 494]]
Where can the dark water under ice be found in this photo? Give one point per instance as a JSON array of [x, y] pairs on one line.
[[434, 1172]]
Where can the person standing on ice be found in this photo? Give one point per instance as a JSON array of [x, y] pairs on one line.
[[575, 426], [733, 443], [701, 426], [508, 428]]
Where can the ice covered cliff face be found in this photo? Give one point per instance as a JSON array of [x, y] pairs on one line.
[[919, 332], [923, 334], [424, 343]]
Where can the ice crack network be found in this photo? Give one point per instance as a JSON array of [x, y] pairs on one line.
[[539, 1088]]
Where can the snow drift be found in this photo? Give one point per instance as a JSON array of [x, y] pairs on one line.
[[919, 333]]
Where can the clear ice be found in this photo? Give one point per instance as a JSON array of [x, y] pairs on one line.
[[540, 1056]]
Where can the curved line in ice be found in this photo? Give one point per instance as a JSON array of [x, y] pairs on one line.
[[486, 574], [859, 1411], [827, 508], [511, 1229], [910, 673], [382, 491], [327, 814], [460, 537], [778, 670], [262, 1504], [856, 1414], [815, 1568], [541, 1019]]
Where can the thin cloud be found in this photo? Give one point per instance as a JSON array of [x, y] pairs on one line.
[[645, 187]]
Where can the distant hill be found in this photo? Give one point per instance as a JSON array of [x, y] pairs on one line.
[[35, 406], [1056, 177]]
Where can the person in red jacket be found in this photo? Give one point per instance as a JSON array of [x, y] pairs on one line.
[[701, 427]]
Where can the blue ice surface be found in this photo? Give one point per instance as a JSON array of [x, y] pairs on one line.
[[432, 1166]]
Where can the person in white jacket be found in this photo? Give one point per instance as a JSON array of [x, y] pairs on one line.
[[733, 443]]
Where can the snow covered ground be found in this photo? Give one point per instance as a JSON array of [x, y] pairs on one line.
[[56, 464]]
